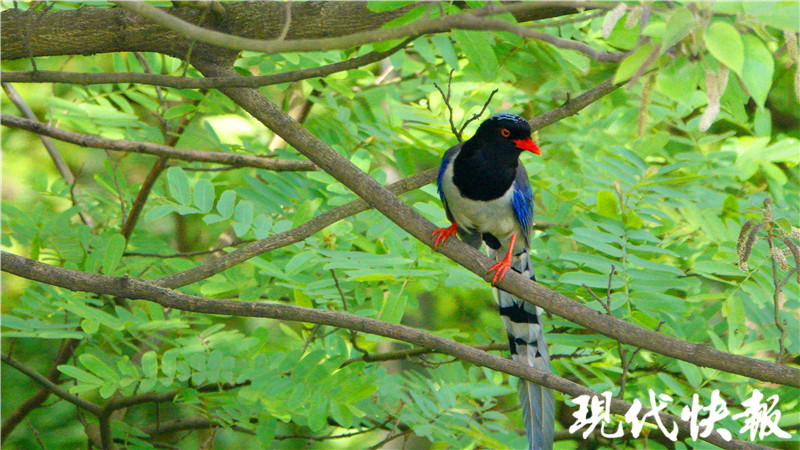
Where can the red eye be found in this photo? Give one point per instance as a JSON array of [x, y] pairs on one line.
[[505, 132]]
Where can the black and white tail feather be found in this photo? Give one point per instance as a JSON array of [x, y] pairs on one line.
[[527, 343]]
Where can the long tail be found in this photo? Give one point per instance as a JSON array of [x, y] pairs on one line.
[[528, 346]]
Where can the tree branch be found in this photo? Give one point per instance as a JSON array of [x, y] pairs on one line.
[[65, 351], [50, 386], [88, 140], [410, 220], [198, 83], [470, 20], [55, 155], [140, 290], [85, 31]]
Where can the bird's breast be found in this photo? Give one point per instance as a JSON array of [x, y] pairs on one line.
[[486, 216]]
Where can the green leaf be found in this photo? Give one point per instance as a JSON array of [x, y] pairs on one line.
[[179, 111], [718, 268], [593, 280], [243, 214], [107, 390], [725, 43], [408, 16], [298, 261], [305, 211], [213, 218], [150, 364], [318, 413], [89, 326], [632, 62], [423, 47], [477, 47], [262, 226], [607, 204], [631, 220], [733, 310], [446, 50], [693, 375], [762, 122], [757, 69], [79, 374], [679, 25], [225, 204], [178, 184], [204, 195], [382, 6], [112, 254], [159, 212], [784, 15], [88, 312], [98, 367], [265, 432], [169, 362]]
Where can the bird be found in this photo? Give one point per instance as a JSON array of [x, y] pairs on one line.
[[487, 198]]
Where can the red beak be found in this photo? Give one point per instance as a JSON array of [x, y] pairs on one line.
[[528, 145]]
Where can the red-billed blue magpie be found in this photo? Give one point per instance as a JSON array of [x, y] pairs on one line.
[[487, 198]]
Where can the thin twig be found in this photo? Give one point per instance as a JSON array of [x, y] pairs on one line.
[[142, 195], [159, 95], [388, 439], [478, 114], [92, 141], [52, 150], [205, 169], [777, 283], [120, 194], [405, 354], [49, 385], [13, 419], [353, 334], [446, 98], [566, 21], [287, 21], [186, 254], [310, 338]]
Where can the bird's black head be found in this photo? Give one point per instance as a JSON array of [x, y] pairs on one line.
[[506, 131]]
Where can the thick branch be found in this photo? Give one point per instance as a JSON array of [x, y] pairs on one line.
[[87, 140], [87, 30], [197, 83], [410, 220], [136, 289], [470, 20]]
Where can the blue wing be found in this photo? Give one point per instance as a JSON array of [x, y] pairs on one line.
[[522, 202]]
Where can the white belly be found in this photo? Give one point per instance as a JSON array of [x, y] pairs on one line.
[[491, 216]]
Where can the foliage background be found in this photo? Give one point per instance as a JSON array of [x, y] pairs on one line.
[[629, 182]]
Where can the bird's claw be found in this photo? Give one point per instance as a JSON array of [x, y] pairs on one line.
[[500, 270], [502, 266], [442, 234]]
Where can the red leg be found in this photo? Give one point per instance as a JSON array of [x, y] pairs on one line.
[[502, 266], [441, 234]]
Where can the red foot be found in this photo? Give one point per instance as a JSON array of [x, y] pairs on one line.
[[441, 234], [502, 266]]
